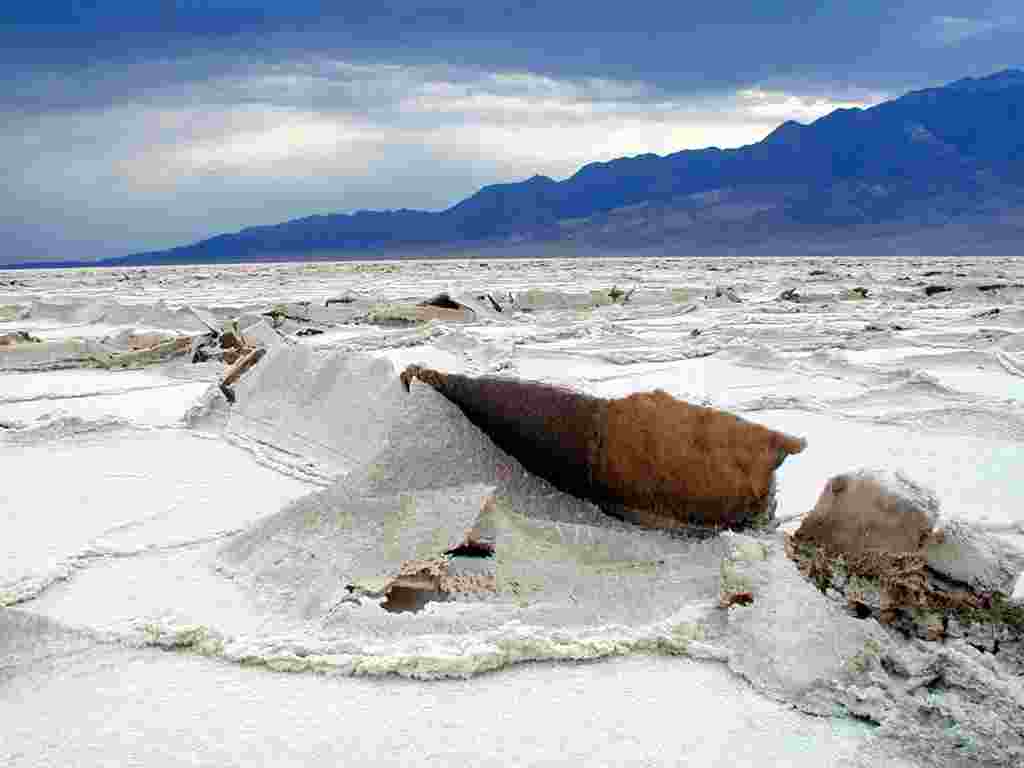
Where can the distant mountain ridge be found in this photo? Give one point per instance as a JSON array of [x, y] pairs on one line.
[[941, 167]]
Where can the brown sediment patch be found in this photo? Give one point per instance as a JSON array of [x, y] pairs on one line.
[[139, 341], [420, 582], [651, 458], [738, 598]]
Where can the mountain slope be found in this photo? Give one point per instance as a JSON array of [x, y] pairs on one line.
[[930, 159]]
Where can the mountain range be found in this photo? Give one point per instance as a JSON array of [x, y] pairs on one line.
[[936, 171]]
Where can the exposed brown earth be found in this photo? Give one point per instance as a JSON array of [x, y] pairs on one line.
[[651, 458]]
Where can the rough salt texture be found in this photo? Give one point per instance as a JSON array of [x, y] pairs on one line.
[[26, 639], [789, 641], [335, 408], [965, 554], [335, 543], [794, 643], [559, 563]]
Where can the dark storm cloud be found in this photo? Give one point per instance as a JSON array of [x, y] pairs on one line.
[[677, 45]]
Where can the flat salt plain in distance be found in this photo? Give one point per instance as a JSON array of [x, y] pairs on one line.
[[115, 507]]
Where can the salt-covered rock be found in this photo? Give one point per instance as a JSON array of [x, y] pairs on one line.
[[874, 510], [260, 334], [537, 300], [968, 555], [871, 509]]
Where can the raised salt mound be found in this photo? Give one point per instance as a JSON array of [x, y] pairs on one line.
[[538, 300], [1010, 354], [647, 457], [158, 315], [42, 356], [328, 546], [559, 561], [336, 409]]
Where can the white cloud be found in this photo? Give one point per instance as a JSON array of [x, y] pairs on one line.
[[953, 30], [778, 106], [268, 143]]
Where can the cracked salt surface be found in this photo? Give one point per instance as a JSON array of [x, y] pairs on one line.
[[122, 491], [117, 530]]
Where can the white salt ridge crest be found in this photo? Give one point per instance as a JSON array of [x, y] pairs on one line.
[[156, 315], [61, 426]]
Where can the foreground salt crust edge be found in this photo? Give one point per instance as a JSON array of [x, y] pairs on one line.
[[433, 657]]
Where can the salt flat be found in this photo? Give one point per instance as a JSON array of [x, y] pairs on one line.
[[138, 509]]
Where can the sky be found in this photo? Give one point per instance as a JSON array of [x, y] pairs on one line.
[[143, 124]]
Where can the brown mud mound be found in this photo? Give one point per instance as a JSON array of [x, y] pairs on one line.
[[648, 457], [442, 301]]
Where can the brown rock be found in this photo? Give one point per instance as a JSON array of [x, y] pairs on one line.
[[230, 340], [677, 461], [651, 458]]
